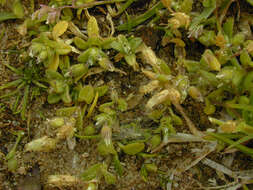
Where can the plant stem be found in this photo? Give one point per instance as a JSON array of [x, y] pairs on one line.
[[25, 101], [87, 137], [240, 106], [240, 147], [140, 19], [124, 7]]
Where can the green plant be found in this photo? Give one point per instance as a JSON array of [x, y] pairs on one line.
[[11, 158], [26, 87]]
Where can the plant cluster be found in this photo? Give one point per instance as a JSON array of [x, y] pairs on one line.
[[64, 60]]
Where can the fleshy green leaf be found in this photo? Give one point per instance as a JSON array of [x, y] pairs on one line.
[[18, 9], [86, 94], [80, 43], [78, 71], [104, 149], [92, 28], [53, 98], [68, 111], [7, 16], [109, 177], [133, 148], [210, 60], [59, 29], [102, 90], [53, 75], [91, 172], [90, 56], [66, 95]]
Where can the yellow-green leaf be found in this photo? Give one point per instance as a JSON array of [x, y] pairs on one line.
[[53, 65], [133, 148], [62, 49], [209, 59], [59, 29], [86, 94], [80, 43], [92, 28], [18, 9]]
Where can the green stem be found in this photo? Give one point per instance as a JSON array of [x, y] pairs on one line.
[[21, 85], [223, 9], [25, 101], [232, 135], [140, 19], [18, 72], [94, 103], [11, 84], [124, 7], [203, 16], [9, 94], [240, 106], [240, 141], [15, 105], [245, 187], [240, 147], [216, 121], [13, 150], [38, 84], [87, 137]]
